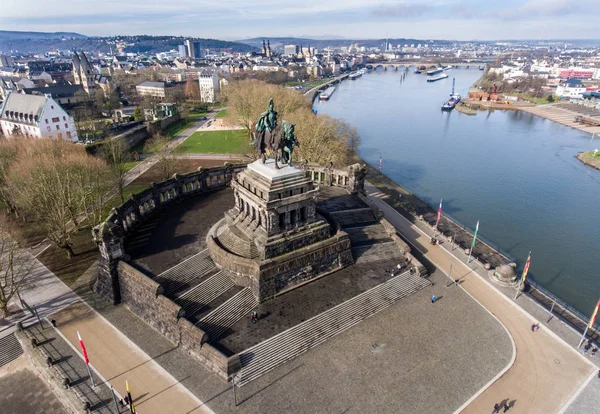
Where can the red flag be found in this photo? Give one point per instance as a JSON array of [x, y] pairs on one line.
[[526, 269], [593, 318], [85, 356], [439, 216]]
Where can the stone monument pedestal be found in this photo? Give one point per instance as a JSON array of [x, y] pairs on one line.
[[273, 239]]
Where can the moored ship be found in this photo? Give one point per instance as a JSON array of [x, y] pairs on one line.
[[454, 99], [434, 71], [327, 94], [355, 75], [437, 78]]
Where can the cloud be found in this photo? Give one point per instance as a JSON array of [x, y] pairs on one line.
[[231, 19]]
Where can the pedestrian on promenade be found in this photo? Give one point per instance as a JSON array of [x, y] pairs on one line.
[[586, 348], [506, 407], [594, 351], [599, 374], [456, 282], [433, 298], [53, 322], [398, 266], [496, 408]]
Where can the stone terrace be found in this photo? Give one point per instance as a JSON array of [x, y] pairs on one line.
[[171, 246], [177, 233]]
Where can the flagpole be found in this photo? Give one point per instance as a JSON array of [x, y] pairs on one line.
[[474, 241], [590, 324], [437, 221], [90, 373], [86, 359], [524, 275], [583, 336]]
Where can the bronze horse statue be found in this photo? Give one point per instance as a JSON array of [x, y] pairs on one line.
[[268, 134]]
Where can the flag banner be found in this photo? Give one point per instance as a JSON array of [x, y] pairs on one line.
[[85, 356], [380, 163], [439, 216], [593, 318], [526, 269], [475, 235], [131, 406]]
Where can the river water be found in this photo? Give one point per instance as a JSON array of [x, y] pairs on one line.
[[513, 171]]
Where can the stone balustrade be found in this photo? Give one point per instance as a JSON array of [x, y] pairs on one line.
[[351, 178]]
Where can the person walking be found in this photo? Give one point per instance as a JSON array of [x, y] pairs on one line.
[[594, 351], [496, 408], [506, 407], [456, 282], [433, 298], [586, 348]]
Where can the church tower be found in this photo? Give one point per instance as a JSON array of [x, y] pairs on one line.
[[83, 73], [263, 51], [269, 48]]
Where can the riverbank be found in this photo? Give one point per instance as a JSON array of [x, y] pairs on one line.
[[564, 114], [454, 234], [588, 159], [413, 208]]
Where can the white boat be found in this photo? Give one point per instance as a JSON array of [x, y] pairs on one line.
[[437, 78], [327, 94]]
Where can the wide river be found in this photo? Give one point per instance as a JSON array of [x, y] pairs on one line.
[[515, 172]]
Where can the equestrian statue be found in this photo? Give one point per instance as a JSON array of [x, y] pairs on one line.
[[280, 139]]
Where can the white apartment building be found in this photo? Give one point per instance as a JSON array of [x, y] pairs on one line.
[[36, 116], [209, 85], [156, 89]]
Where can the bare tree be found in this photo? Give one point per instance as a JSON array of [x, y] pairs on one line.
[[60, 186], [116, 154], [158, 145], [15, 267], [192, 90]]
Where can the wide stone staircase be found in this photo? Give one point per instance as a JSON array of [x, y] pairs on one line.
[[291, 343], [367, 235], [10, 349], [237, 243], [355, 217], [187, 273], [216, 323], [196, 299]]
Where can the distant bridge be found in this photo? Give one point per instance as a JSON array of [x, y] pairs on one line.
[[406, 65]]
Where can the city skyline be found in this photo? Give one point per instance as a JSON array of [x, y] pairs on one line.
[[236, 19]]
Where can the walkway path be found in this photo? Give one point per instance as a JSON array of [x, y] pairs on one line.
[[117, 359], [546, 371], [112, 355], [145, 165]]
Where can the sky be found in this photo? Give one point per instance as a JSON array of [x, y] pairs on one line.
[[238, 19]]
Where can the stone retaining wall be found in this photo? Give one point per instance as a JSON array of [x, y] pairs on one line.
[[110, 234], [143, 296], [160, 125], [71, 399]]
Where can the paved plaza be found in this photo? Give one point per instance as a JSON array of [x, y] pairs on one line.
[[546, 371], [413, 357], [22, 391]]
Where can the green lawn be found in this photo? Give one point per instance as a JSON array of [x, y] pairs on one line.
[[197, 114], [590, 154], [178, 127], [221, 114], [132, 189], [216, 142], [129, 165]]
